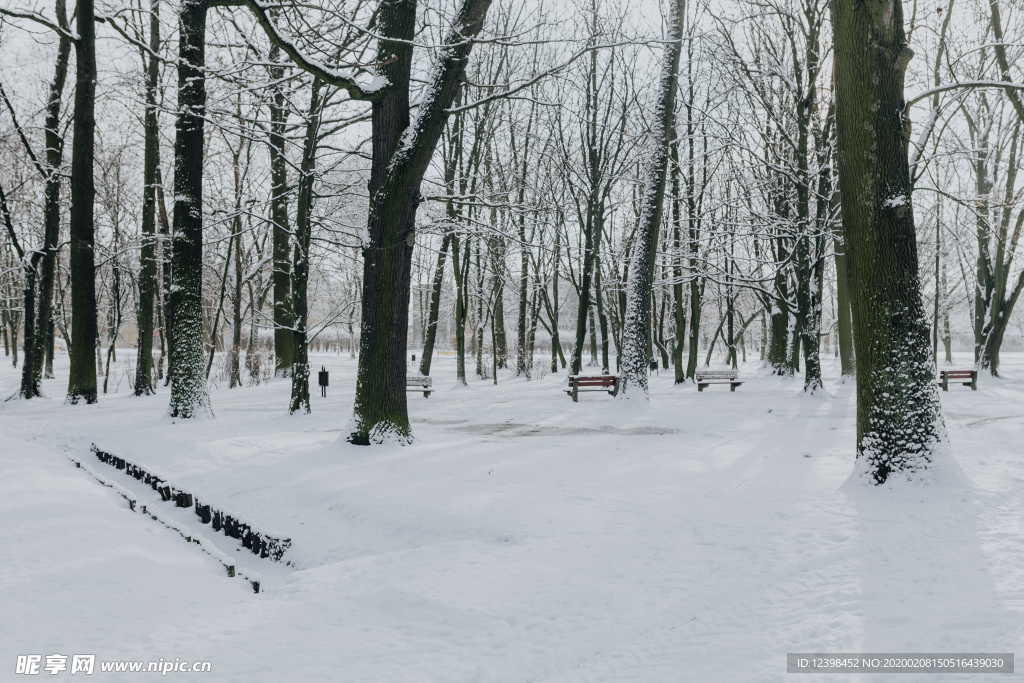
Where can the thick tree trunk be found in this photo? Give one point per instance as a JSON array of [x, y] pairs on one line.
[[641, 273], [147, 255], [778, 344], [84, 329], [898, 418], [188, 379], [398, 166]]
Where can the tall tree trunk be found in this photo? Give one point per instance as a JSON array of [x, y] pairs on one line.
[[583, 308], [84, 329], [115, 310], [398, 166], [166, 267], [898, 418], [147, 255], [30, 268], [460, 268], [284, 337], [496, 250], [556, 345], [188, 379], [43, 352], [480, 322], [602, 317], [844, 321], [234, 371], [947, 337], [521, 314], [300, 261], [678, 308], [430, 334], [641, 273]]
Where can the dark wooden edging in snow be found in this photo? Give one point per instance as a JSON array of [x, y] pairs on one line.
[[141, 509], [259, 543]]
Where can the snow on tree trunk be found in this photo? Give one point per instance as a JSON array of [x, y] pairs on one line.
[[401, 154], [636, 324], [899, 424], [187, 364], [284, 335]]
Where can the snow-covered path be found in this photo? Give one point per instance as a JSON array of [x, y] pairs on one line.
[[523, 537]]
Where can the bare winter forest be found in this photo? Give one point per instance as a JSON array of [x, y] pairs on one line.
[[517, 249]]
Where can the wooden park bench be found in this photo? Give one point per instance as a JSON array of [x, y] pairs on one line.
[[706, 377], [578, 383], [419, 383], [970, 375]]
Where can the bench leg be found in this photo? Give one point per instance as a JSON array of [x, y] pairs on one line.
[[974, 385], [575, 396], [732, 387], [426, 394], [615, 391], [945, 384], [700, 387]]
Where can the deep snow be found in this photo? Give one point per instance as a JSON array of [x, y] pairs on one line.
[[522, 538]]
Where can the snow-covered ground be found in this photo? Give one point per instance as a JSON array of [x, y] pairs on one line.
[[522, 538]]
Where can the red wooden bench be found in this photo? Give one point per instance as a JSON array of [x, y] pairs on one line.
[[970, 375], [578, 383]]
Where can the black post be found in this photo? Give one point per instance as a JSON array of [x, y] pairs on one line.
[[324, 380]]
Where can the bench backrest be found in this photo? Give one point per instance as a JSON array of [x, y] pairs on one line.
[[717, 374], [958, 374], [416, 380], [593, 381]]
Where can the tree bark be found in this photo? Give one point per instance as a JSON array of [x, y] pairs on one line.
[[84, 329], [147, 255], [43, 351], [844, 322], [401, 154], [300, 260], [641, 274], [898, 418], [188, 379], [284, 336], [430, 333]]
